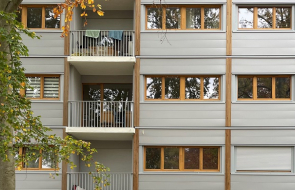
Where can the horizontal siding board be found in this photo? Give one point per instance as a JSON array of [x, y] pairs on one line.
[[185, 114], [263, 114], [182, 66], [51, 113], [42, 65], [181, 107], [182, 122], [253, 137], [263, 122], [181, 2], [37, 181]]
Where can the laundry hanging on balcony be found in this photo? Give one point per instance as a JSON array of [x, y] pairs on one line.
[[116, 34], [92, 33]]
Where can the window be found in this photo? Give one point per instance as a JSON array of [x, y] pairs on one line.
[[182, 87], [265, 17], [264, 87], [46, 160], [263, 159], [43, 87], [38, 16], [205, 159], [183, 17]]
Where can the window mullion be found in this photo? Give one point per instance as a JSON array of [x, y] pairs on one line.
[[40, 160], [182, 88], [273, 17], [255, 19], [42, 87], [162, 158], [255, 88], [164, 18], [201, 159], [163, 88], [183, 18], [273, 90], [202, 88], [24, 16], [181, 158], [43, 18], [202, 18]]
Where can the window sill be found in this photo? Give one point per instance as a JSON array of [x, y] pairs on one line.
[[46, 101], [263, 102], [181, 173], [264, 31], [182, 31], [266, 173], [181, 102], [37, 172]]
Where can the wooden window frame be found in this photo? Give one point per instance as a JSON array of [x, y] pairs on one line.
[[23, 91], [182, 159], [255, 18], [254, 87], [182, 16], [24, 16], [21, 151], [182, 88]]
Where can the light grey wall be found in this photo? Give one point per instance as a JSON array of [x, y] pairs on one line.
[[29, 181], [182, 2], [263, 43], [272, 137], [77, 22], [43, 65], [181, 181], [107, 79], [76, 159], [181, 137], [188, 43], [263, 66], [117, 155], [182, 66], [51, 112], [263, 114], [50, 43], [262, 182], [182, 114], [75, 84]]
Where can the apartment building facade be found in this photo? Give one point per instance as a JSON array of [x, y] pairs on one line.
[[172, 94]]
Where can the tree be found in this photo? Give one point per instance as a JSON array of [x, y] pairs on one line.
[[18, 127]]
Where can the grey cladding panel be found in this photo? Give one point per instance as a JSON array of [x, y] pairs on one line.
[[51, 112], [263, 43], [187, 182], [263, 1], [182, 114], [180, 137], [37, 181], [182, 66], [42, 65], [263, 114], [253, 137], [183, 43], [49, 44], [182, 2], [263, 66], [259, 182]]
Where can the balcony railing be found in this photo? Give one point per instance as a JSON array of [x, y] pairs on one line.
[[118, 181], [100, 114], [102, 43]]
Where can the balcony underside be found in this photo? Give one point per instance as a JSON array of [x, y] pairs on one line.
[[101, 133]]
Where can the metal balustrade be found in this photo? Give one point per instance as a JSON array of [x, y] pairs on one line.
[[102, 43], [100, 114], [84, 180]]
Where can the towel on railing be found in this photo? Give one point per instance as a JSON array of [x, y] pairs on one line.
[[92, 33], [116, 34]]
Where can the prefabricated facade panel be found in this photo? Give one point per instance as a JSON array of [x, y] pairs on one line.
[[182, 114], [186, 43], [263, 43], [182, 66], [267, 137], [50, 44], [43, 65], [263, 114], [51, 112], [258, 182], [181, 137], [263, 66], [180, 181], [28, 181]]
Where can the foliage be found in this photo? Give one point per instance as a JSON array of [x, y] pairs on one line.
[[18, 126]]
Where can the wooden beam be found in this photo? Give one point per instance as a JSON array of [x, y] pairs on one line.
[[137, 27], [229, 27]]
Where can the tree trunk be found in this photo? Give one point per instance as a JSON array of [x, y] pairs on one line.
[[7, 169]]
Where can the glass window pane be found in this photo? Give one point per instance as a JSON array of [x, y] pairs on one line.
[[34, 17], [192, 88], [173, 19], [193, 18], [50, 21], [211, 18], [265, 17], [91, 92], [35, 83], [210, 158], [154, 87], [171, 158], [19, 15], [246, 17], [153, 158], [191, 158], [283, 17], [33, 162], [154, 18], [264, 87], [48, 159], [283, 87], [245, 87], [117, 92], [51, 87], [172, 87], [211, 87]]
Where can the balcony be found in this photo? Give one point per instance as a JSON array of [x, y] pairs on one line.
[[118, 181], [101, 120]]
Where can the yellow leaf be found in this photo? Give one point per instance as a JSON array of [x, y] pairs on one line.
[[100, 13]]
